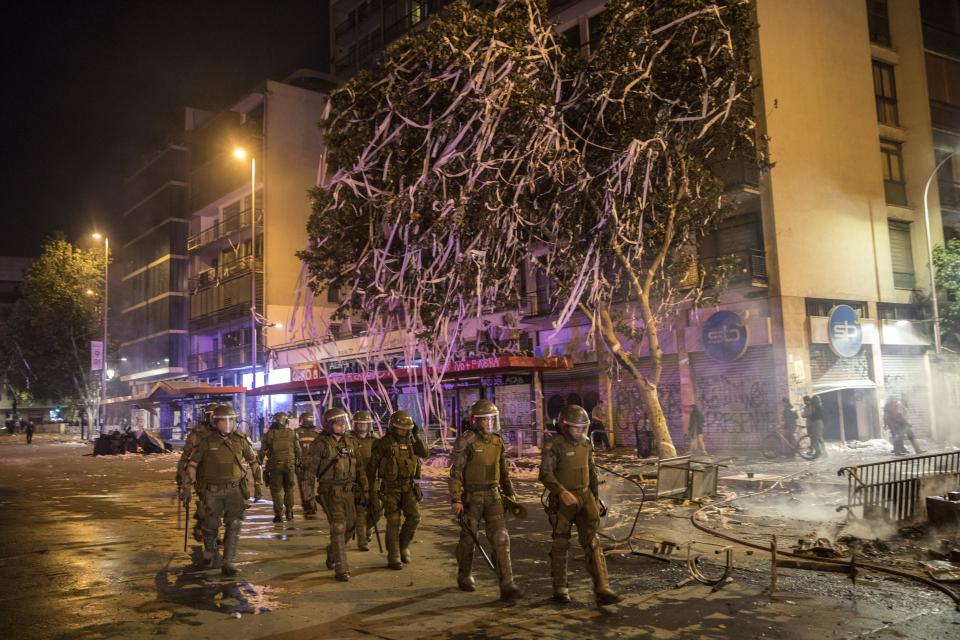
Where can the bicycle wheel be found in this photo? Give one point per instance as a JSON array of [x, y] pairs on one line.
[[771, 446], [805, 448]]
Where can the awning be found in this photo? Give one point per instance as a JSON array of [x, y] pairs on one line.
[[175, 390], [467, 368], [837, 385]]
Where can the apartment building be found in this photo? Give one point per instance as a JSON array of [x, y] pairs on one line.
[[247, 216], [860, 102]]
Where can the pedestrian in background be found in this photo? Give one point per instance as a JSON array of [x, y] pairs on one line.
[[790, 427], [598, 431], [29, 431], [695, 431], [813, 413]]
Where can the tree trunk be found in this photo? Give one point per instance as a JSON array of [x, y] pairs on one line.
[[647, 387]]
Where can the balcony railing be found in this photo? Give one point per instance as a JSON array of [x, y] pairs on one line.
[[226, 271], [228, 358], [224, 228], [751, 269], [737, 173]]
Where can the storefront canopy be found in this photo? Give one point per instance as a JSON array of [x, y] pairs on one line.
[[466, 368], [175, 390]]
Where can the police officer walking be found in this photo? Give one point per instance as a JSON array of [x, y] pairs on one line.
[[204, 428], [307, 472], [366, 517], [218, 461], [394, 466], [281, 448], [479, 481], [335, 454], [568, 471]]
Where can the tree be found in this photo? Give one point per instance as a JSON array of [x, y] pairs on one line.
[[946, 259], [52, 324], [479, 141]]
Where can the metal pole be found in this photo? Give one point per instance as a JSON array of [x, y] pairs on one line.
[[106, 306], [933, 275], [253, 287]]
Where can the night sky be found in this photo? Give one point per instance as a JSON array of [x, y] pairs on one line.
[[93, 86]]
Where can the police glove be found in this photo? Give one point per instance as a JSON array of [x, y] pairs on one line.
[[184, 492]]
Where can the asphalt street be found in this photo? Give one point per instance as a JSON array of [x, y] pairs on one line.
[[92, 548]]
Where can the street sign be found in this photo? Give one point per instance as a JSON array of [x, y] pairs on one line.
[[844, 331], [724, 336], [96, 355]]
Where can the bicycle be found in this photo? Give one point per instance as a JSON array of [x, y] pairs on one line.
[[776, 444]]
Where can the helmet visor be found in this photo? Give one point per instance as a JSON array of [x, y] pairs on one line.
[[362, 427], [576, 431], [223, 425], [487, 424], [338, 426]]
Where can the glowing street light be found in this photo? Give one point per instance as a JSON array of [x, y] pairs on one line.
[[241, 154]]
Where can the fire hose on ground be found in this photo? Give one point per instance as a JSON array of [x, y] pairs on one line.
[[844, 564]]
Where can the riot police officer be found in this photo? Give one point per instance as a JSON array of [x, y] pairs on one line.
[[281, 448], [339, 477], [479, 479], [306, 473], [218, 460], [204, 427], [366, 517], [394, 467], [568, 471]]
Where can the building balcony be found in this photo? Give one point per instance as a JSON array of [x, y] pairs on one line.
[[738, 174], [751, 269], [227, 358], [224, 273], [227, 303], [228, 226], [945, 117]]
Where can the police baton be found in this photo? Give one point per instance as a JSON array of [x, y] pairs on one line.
[[376, 530], [186, 525], [476, 541]]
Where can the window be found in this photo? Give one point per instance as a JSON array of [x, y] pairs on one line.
[[891, 311], [595, 29], [821, 307], [333, 295], [901, 255], [878, 21], [891, 161], [885, 89], [571, 38]]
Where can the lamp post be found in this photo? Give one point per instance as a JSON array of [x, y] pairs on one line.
[[102, 413], [241, 154], [933, 275]]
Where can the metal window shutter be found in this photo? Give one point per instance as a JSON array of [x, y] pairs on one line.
[[628, 406], [738, 399], [901, 252], [904, 377], [827, 369]]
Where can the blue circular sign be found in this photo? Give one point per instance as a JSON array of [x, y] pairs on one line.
[[844, 331], [724, 336]]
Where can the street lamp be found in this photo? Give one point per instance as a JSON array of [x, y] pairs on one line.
[[241, 154], [933, 275], [102, 413]]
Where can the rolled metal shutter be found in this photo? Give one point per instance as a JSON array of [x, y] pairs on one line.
[[830, 371], [904, 377], [628, 406], [738, 399]]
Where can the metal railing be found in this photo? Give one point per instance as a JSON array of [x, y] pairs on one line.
[[228, 358], [230, 224], [892, 488], [751, 269], [224, 272]]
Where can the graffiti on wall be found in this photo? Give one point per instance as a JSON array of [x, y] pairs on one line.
[[630, 412], [737, 404]]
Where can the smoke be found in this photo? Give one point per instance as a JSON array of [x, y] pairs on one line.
[[869, 529]]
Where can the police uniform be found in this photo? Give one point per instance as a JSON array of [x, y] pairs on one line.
[[394, 466], [337, 489], [479, 477], [222, 481], [567, 464], [281, 449], [365, 518], [199, 432], [307, 473]]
